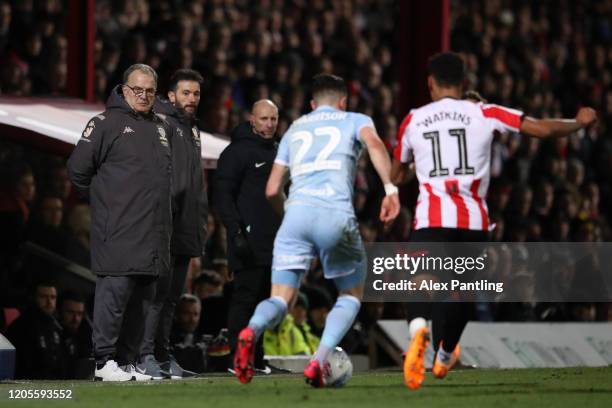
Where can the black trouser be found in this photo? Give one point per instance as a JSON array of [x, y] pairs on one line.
[[158, 322], [120, 303], [448, 318], [251, 286]]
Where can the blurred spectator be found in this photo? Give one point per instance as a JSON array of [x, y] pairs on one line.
[[543, 201], [46, 226], [208, 284], [76, 333], [184, 337], [16, 197], [214, 244], [208, 288], [293, 335], [320, 305], [32, 41], [188, 311], [59, 184], [19, 194], [37, 337], [299, 312]]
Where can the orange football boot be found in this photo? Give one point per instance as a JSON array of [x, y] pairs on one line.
[[440, 369], [414, 363]]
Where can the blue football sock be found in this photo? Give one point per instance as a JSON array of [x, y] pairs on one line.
[[268, 313], [338, 321]]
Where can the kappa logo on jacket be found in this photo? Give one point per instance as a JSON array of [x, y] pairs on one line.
[[180, 132], [128, 130]]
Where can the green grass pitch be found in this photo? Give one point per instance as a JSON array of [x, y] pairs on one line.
[[564, 387]]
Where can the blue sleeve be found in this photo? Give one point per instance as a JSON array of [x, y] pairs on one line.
[[360, 120], [282, 156]]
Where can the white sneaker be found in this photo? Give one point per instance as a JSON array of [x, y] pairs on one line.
[[137, 373], [111, 372]]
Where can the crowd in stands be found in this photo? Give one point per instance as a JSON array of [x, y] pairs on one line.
[[545, 58], [33, 47]]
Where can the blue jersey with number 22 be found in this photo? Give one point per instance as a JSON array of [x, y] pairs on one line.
[[321, 150]]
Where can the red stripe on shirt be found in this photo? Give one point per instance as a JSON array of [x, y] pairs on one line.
[[478, 199], [463, 215], [397, 153], [504, 116], [435, 210]]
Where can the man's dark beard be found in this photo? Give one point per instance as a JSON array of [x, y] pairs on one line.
[[183, 112]]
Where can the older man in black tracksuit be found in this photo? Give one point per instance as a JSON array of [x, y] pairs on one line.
[[123, 164], [251, 222], [189, 222]]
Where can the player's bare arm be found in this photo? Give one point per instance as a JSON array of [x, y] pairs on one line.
[[275, 188], [545, 128], [390, 206], [401, 173]]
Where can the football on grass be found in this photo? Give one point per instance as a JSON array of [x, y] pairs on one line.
[[340, 368]]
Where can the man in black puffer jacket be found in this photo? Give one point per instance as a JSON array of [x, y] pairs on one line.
[[190, 217], [250, 220], [122, 163]]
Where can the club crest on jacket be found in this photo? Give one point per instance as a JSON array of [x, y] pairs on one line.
[[162, 135]]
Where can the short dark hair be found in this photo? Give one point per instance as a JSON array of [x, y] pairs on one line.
[[184, 74], [474, 96], [326, 84], [447, 69], [71, 295], [188, 298], [302, 300], [43, 283]]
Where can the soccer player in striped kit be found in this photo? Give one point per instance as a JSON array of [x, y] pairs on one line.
[[449, 142]]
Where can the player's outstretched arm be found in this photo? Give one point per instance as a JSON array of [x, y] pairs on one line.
[[275, 188], [390, 206], [544, 128], [401, 173]]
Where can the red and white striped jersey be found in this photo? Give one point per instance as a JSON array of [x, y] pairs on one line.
[[450, 143]]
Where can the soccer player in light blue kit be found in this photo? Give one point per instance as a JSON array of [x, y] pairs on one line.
[[320, 152]]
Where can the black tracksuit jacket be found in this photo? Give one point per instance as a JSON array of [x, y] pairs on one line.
[[240, 195], [190, 205], [123, 164]]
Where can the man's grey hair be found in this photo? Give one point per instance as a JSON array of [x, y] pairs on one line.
[[144, 68], [189, 298]]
